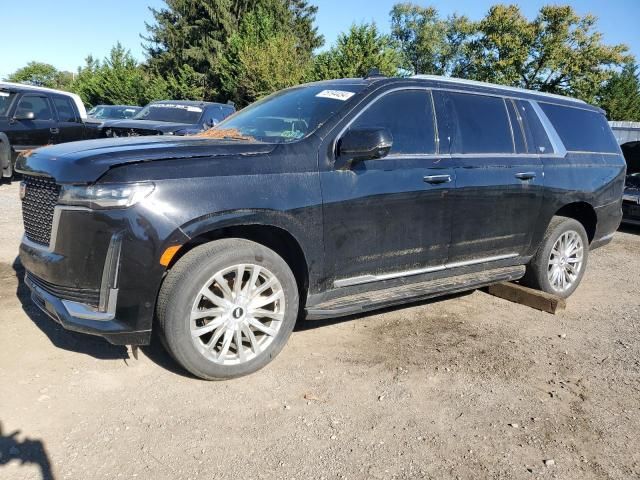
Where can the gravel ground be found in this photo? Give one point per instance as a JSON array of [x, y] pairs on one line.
[[468, 387]]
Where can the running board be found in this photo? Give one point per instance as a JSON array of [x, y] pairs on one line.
[[375, 299]]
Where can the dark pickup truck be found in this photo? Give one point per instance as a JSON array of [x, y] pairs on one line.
[[326, 199], [31, 117], [169, 117]]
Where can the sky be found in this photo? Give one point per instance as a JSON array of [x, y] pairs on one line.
[[65, 34]]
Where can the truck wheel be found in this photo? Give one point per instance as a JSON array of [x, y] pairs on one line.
[[561, 260], [227, 308]]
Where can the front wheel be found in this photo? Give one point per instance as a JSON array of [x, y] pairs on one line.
[[227, 308], [561, 260]]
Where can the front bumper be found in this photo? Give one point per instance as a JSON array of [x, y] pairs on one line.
[[76, 317], [100, 274]]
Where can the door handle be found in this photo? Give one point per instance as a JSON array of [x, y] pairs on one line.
[[526, 175], [54, 130], [437, 179]]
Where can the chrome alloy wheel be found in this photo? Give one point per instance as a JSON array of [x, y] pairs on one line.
[[565, 261], [237, 314]]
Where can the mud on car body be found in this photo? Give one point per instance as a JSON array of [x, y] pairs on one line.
[[326, 199]]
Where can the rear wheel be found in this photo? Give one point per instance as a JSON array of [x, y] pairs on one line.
[[560, 262], [227, 308]]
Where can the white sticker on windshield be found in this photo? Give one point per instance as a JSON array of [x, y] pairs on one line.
[[4, 94], [194, 109], [342, 95]]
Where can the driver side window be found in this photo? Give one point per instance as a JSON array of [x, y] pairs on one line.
[[408, 115], [38, 105]]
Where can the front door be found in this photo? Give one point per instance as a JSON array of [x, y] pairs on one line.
[[389, 217], [26, 134], [499, 184]]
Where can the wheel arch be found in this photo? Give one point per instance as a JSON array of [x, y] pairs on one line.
[[276, 236], [584, 213]]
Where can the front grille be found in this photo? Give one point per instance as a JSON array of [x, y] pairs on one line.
[[40, 198], [89, 296]]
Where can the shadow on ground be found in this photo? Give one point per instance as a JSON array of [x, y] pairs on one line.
[[25, 452], [61, 338]]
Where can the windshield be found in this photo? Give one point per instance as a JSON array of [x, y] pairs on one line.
[[104, 112], [170, 112], [289, 115], [5, 102]]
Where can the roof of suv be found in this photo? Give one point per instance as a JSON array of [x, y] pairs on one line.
[[21, 87]]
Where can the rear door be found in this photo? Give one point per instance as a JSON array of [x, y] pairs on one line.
[[28, 134], [70, 125], [389, 217], [499, 182]]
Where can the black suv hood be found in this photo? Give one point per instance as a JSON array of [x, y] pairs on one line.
[[87, 161]]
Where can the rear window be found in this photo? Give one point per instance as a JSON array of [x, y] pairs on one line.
[[480, 124], [581, 130]]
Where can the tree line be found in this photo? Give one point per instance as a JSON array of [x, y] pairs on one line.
[[242, 50]]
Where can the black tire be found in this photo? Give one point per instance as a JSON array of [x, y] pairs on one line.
[[536, 275], [181, 288]]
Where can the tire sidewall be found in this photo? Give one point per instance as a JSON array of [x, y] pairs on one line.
[[177, 322], [564, 226]]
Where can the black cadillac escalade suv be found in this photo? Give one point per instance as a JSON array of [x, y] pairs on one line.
[[326, 199]]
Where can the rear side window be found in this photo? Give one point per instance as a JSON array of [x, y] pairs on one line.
[[581, 130], [408, 115], [66, 112], [537, 139], [478, 123]]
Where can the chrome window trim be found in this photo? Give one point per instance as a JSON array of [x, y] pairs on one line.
[[347, 282], [559, 149]]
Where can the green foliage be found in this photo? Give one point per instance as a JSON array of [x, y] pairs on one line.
[[263, 56], [204, 35], [42, 75], [431, 45], [620, 96], [356, 52], [558, 51]]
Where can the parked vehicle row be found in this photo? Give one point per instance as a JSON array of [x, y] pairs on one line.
[[326, 199], [31, 117]]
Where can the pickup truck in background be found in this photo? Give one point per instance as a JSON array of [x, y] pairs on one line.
[[31, 117], [169, 117]]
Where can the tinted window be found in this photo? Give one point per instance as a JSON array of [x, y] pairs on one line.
[[38, 105], [170, 112], [6, 99], [408, 115], [581, 130], [66, 113], [537, 139], [479, 124]]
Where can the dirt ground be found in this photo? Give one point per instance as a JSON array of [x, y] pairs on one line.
[[468, 387]]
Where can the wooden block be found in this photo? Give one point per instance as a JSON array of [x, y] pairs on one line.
[[528, 296]]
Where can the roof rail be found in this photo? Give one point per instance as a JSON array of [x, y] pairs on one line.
[[464, 81]]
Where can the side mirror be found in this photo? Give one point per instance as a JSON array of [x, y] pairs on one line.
[[25, 116], [365, 144]]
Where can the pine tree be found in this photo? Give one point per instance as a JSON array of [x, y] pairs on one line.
[[620, 96]]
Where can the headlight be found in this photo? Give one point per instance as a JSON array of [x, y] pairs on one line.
[[106, 195]]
